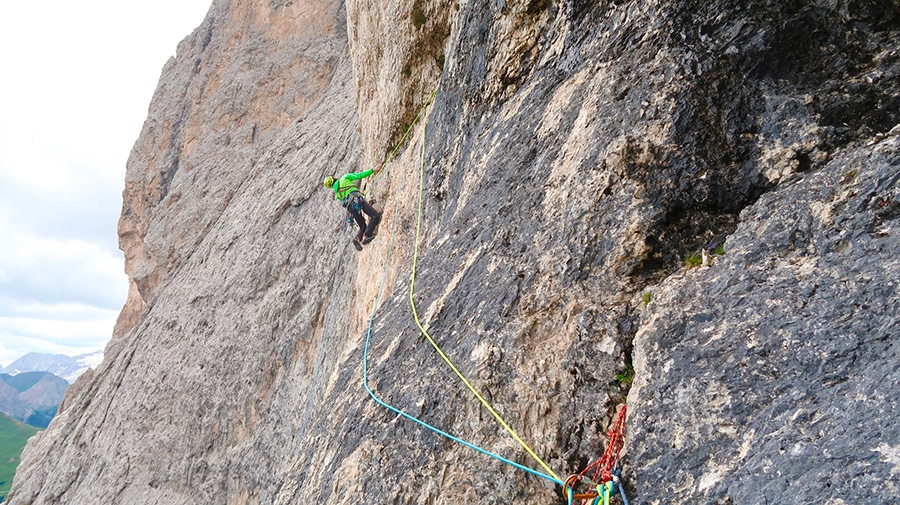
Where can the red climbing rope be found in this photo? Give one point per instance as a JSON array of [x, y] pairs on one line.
[[603, 466]]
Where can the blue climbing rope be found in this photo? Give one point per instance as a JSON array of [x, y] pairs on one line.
[[617, 480]]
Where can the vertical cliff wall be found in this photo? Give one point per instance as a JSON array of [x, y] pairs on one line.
[[243, 76], [234, 253], [702, 197]]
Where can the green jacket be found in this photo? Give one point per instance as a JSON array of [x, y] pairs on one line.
[[344, 186]]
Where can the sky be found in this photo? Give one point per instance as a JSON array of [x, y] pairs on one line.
[[76, 79]]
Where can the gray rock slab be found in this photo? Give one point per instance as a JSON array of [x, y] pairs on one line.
[[772, 376]]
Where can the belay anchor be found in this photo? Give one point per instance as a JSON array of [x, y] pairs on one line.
[[607, 474]]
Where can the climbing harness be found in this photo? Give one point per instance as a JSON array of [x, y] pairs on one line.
[[352, 201]]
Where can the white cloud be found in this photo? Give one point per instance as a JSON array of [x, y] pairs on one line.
[[78, 77], [52, 271], [90, 334], [77, 81], [66, 312]]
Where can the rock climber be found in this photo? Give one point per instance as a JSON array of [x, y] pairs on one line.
[[351, 199]]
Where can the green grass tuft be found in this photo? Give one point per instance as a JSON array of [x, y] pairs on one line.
[[719, 250], [693, 261], [647, 297], [418, 17], [13, 436], [626, 376]]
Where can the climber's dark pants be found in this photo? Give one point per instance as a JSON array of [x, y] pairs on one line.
[[356, 205]]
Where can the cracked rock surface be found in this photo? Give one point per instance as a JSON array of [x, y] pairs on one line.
[[772, 375], [579, 159]]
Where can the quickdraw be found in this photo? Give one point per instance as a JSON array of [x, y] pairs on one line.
[[601, 494], [569, 489]]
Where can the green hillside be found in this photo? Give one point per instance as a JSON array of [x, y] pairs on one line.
[[13, 436]]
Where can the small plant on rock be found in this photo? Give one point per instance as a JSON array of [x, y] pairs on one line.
[[647, 297], [418, 17], [693, 261], [626, 376]]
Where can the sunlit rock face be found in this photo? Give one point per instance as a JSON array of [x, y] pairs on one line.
[[688, 206], [243, 76]]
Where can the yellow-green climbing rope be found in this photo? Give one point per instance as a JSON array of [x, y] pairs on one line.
[[412, 283], [386, 405]]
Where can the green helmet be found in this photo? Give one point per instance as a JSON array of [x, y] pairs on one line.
[[329, 182]]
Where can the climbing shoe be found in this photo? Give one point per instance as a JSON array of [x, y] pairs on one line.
[[357, 245], [366, 240]]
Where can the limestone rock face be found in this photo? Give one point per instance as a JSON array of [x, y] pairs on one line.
[[250, 69], [200, 401], [778, 363], [579, 159]]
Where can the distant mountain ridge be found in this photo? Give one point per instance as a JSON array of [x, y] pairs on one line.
[[31, 397], [60, 365]]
